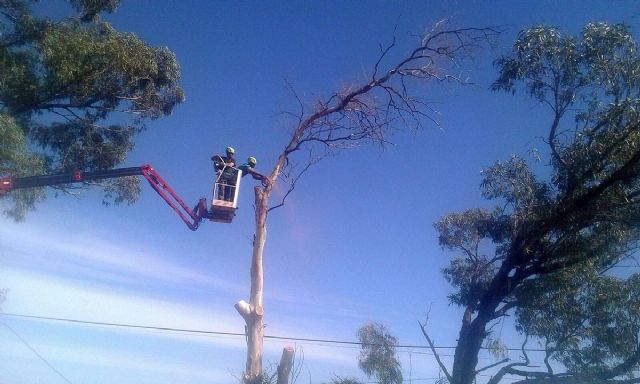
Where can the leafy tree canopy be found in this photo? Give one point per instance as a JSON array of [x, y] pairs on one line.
[[588, 322], [74, 93], [378, 355], [548, 247]]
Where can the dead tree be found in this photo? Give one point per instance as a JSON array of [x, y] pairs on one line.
[[361, 114]]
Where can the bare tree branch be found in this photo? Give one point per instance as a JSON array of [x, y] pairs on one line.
[[292, 184], [433, 349], [509, 368], [492, 365], [363, 113]]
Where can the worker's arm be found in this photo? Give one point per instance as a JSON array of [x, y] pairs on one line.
[[256, 175], [246, 170]]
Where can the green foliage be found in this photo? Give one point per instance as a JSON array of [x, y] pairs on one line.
[[543, 59], [16, 159], [60, 82], [496, 348], [464, 232], [90, 9], [378, 355], [345, 380], [546, 247], [589, 322]]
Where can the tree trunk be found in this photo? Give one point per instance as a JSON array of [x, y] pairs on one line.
[[253, 312], [286, 365], [473, 332]]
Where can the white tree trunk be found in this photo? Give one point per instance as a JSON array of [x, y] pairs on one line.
[[286, 365], [253, 312]]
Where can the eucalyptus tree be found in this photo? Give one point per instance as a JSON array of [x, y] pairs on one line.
[[378, 357], [363, 113], [74, 93], [545, 252]]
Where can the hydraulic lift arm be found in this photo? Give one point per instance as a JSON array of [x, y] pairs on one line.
[[191, 219]]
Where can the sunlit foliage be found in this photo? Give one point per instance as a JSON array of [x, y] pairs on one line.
[[378, 354], [75, 92], [548, 245]]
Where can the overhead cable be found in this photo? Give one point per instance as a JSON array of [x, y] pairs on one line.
[[220, 333], [32, 349]]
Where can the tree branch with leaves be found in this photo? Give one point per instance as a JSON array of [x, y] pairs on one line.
[[543, 251], [75, 93]]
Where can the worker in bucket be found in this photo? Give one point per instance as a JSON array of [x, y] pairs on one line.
[[248, 169], [226, 174], [220, 162]]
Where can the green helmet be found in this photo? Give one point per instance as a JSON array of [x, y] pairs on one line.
[[231, 150], [252, 160]]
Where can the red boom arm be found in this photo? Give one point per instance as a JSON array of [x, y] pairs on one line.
[[191, 219]]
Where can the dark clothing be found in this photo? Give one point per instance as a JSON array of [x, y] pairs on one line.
[[225, 167], [219, 161], [226, 179]]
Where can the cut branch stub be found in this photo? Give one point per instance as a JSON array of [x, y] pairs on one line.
[[286, 364], [243, 308]]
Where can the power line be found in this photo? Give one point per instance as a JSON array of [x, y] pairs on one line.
[[36, 352], [65, 320], [220, 333]]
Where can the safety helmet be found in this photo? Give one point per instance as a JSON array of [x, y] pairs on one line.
[[231, 150], [252, 160]]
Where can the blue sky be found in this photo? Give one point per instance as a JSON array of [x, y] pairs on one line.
[[353, 244]]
